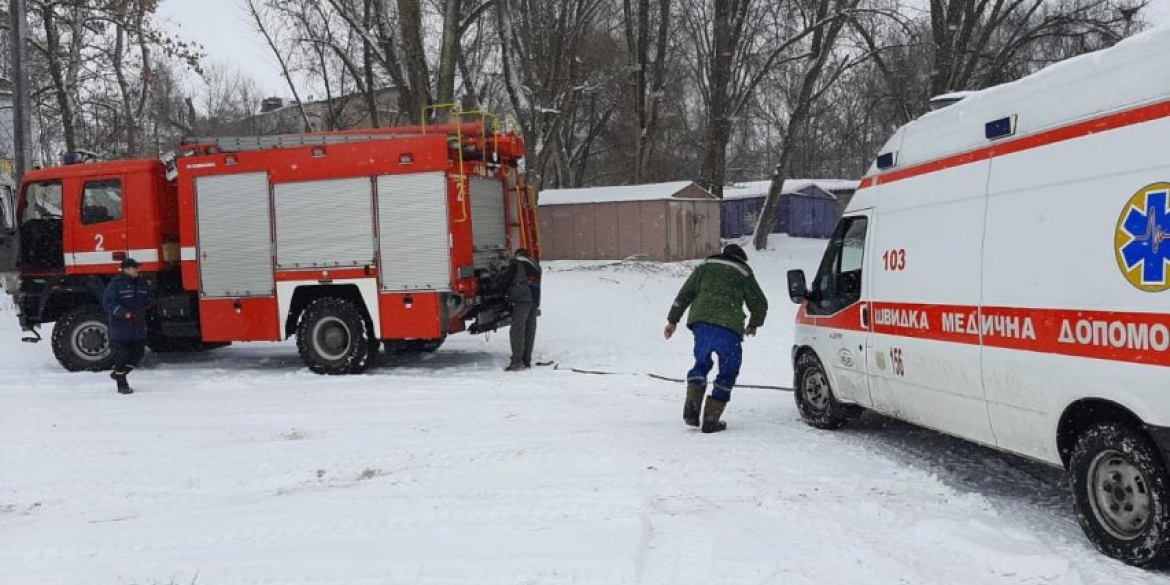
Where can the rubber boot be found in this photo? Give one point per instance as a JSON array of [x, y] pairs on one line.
[[123, 384], [694, 403], [516, 367], [711, 415]]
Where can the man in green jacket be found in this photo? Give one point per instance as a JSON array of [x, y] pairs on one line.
[[716, 293]]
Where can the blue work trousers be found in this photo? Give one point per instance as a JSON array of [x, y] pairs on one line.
[[725, 343]]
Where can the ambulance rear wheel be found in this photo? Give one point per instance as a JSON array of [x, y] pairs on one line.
[[81, 340], [814, 396], [332, 337], [1121, 494]]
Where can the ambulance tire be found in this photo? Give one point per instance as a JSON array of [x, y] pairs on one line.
[[814, 397], [332, 337], [81, 340], [1121, 494]]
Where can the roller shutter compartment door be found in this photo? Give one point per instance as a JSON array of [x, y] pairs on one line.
[[489, 225], [414, 232], [235, 235], [324, 224]]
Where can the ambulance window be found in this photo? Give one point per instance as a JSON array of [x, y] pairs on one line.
[[101, 202], [838, 283], [42, 201]]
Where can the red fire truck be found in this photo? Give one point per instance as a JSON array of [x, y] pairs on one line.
[[345, 240]]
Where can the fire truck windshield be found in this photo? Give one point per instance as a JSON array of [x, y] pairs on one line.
[[7, 215], [42, 201]]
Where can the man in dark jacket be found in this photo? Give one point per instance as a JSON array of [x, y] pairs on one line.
[[715, 293], [126, 301], [522, 279]]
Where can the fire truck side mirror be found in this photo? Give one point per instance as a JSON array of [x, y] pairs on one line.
[[168, 159]]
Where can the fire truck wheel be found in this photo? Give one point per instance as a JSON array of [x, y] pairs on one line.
[[814, 396], [81, 340], [1121, 494], [332, 337]]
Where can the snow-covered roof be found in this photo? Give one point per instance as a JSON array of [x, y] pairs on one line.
[[752, 189], [623, 193], [1127, 75]]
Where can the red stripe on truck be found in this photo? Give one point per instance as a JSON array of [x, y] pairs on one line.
[[1141, 338], [1078, 130]]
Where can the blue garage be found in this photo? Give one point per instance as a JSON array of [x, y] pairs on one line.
[[806, 212]]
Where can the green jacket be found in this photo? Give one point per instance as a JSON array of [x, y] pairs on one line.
[[716, 293]]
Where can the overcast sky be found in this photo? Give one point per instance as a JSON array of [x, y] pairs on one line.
[[224, 29]]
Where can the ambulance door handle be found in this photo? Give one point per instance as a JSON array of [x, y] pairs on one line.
[[865, 317]]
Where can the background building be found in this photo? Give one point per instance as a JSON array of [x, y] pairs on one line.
[[661, 221]]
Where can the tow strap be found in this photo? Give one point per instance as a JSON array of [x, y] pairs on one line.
[[557, 366]]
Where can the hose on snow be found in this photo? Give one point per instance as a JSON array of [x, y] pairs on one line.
[[663, 378]]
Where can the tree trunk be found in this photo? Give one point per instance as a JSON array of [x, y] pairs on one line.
[[410, 26], [262, 27], [448, 57], [127, 112], [725, 41], [943, 32], [371, 89], [57, 74], [823, 40], [657, 86]]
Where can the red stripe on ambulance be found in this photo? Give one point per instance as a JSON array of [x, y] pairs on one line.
[[1142, 338], [1078, 130]]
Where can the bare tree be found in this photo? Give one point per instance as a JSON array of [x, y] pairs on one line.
[[260, 20], [744, 42], [647, 72], [540, 44], [823, 45], [977, 42]]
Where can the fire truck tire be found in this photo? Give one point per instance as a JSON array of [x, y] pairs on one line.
[[81, 340], [332, 337], [814, 396], [1121, 493]]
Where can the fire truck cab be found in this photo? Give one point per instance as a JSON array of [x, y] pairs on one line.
[[345, 240]]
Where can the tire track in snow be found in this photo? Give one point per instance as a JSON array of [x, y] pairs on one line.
[[1029, 496]]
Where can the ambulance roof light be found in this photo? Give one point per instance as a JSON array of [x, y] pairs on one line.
[[1001, 128]]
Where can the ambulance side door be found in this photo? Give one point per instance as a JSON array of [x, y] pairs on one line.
[[925, 282], [838, 301]]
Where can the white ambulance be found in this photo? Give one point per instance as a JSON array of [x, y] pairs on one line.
[[1003, 276]]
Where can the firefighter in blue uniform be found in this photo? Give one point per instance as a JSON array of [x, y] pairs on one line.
[[126, 301]]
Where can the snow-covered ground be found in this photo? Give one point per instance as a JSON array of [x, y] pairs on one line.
[[239, 466]]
